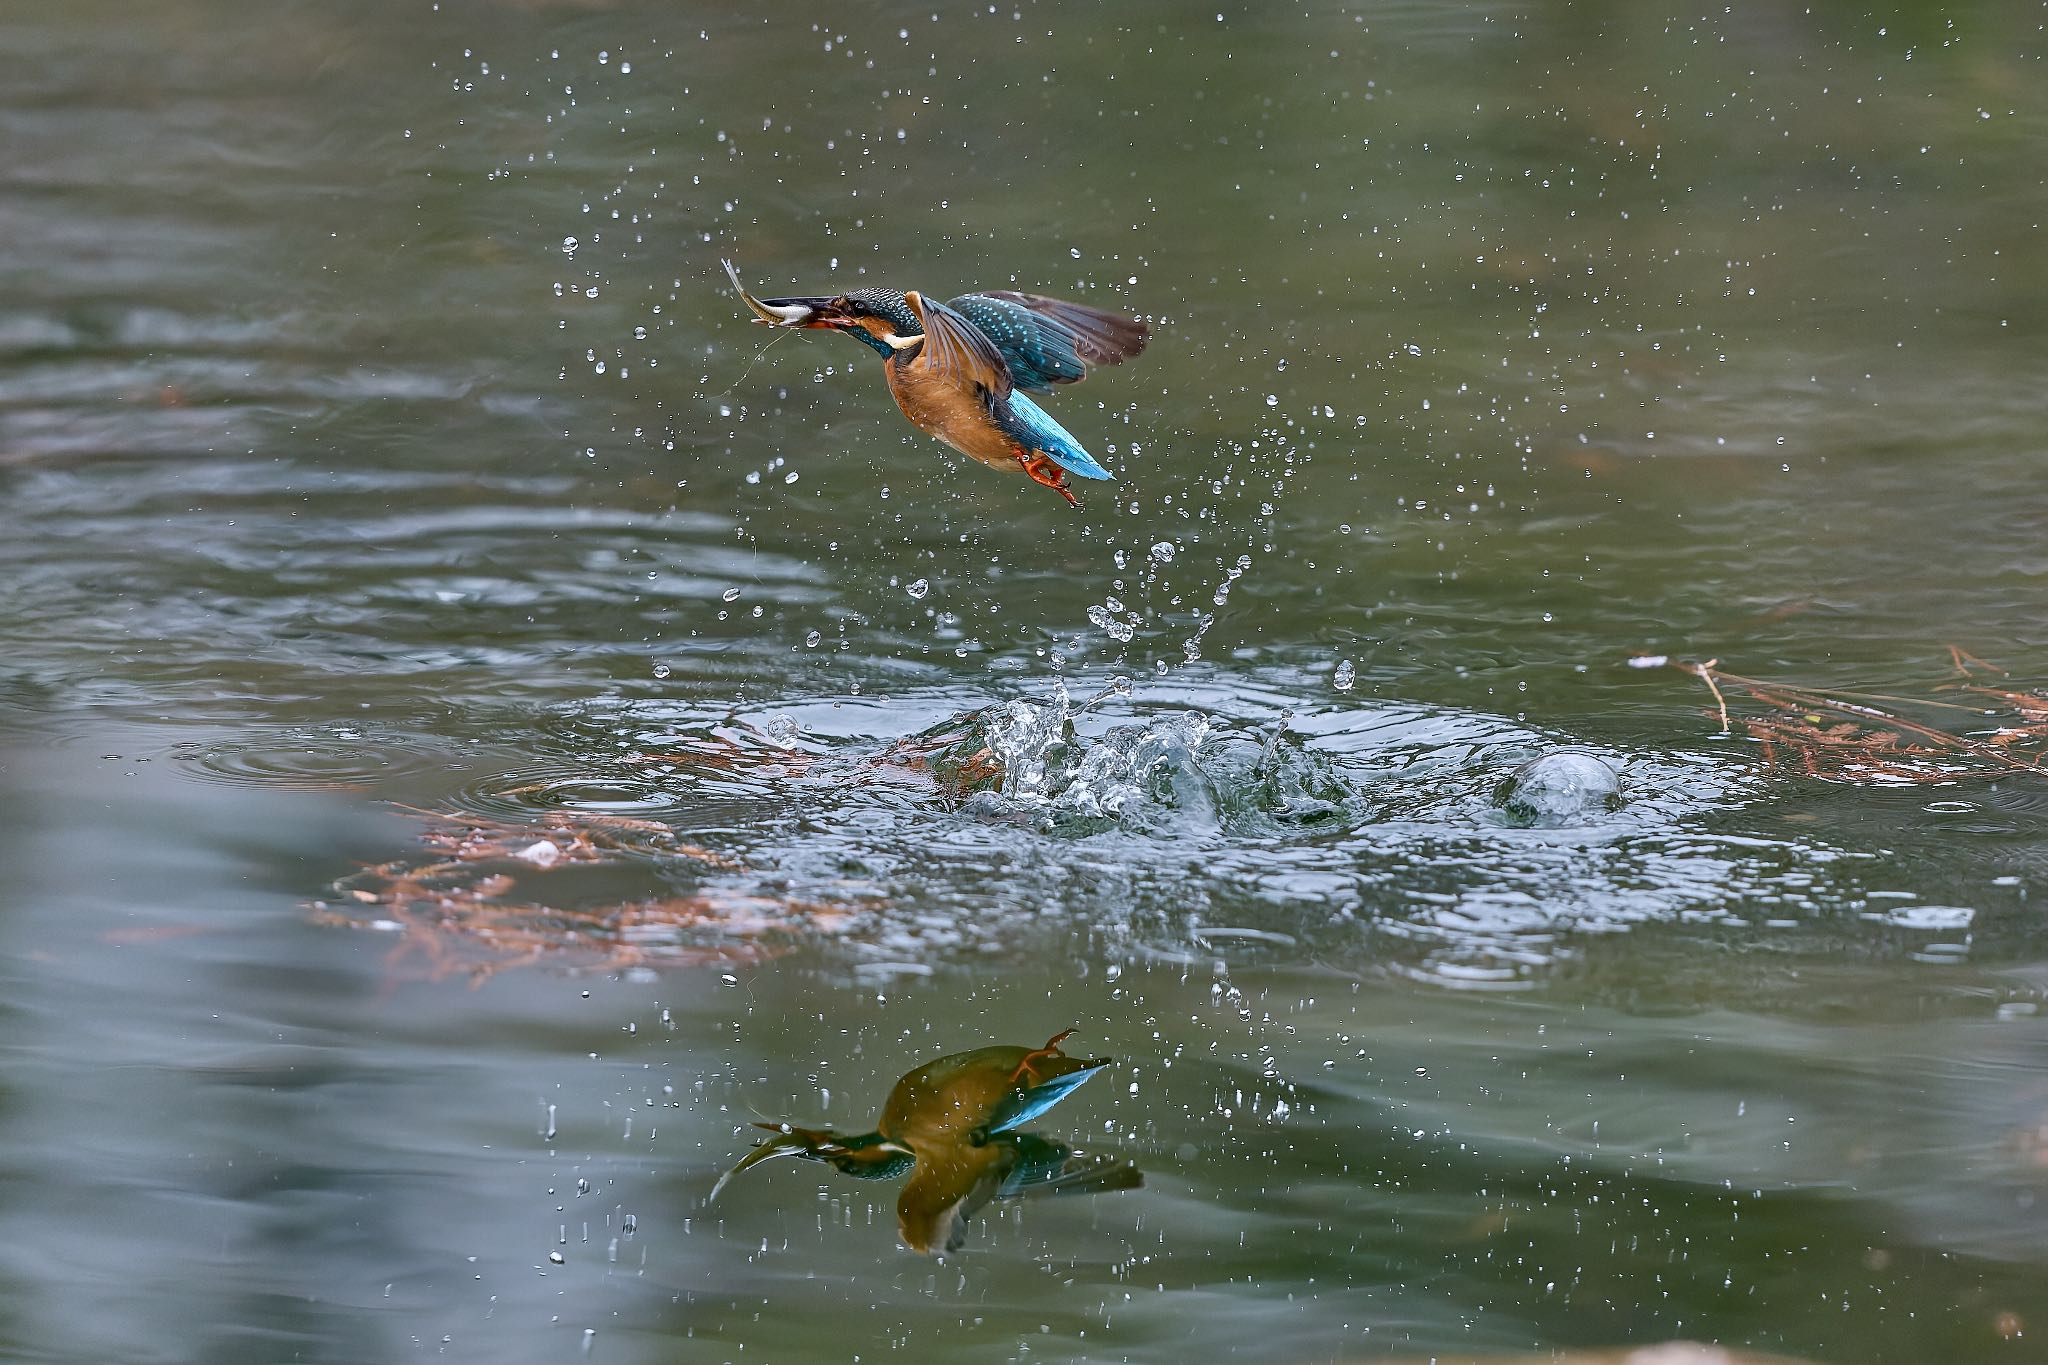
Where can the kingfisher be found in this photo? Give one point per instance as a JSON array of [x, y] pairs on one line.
[[952, 1125], [961, 370]]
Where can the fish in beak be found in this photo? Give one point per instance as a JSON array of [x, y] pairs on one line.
[[814, 311]]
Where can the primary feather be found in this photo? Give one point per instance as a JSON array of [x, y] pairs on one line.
[[1050, 341]]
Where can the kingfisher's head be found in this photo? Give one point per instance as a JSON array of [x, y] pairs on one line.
[[882, 318]]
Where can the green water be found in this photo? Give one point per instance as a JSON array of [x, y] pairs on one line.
[[1494, 347]]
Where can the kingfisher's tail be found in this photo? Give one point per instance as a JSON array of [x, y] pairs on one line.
[[1036, 429]]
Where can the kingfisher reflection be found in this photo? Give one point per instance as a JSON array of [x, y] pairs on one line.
[[952, 1126]]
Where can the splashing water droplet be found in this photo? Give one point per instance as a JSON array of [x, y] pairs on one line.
[[812, 640], [1344, 677], [732, 594], [918, 589], [1163, 552], [662, 670]]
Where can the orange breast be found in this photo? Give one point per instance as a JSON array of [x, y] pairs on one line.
[[956, 414]]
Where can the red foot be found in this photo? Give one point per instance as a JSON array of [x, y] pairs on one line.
[[1047, 1053], [1044, 471]]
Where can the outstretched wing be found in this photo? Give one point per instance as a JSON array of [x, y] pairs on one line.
[[1051, 341], [955, 348]]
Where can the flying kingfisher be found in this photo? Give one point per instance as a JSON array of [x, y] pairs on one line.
[[960, 369], [952, 1124]]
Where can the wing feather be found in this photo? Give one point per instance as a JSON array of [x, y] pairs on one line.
[[1051, 341], [956, 348]]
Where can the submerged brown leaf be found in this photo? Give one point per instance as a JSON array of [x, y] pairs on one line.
[[455, 915], [1848, 737]]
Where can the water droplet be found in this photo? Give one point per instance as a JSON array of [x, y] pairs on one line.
[[662, 670], [1344, 677], [732, 594], [569, 245], [784, 731], [918, 589], [1162, 553], [812, 640], [558, 1258], [629, 1225]]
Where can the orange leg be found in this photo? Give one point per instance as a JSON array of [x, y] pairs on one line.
[[1051, 1049], [1044, 471]]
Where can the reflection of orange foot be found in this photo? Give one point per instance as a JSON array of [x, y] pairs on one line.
[[1044, 471], [1028, 1067]]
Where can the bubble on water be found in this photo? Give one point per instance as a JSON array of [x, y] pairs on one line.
[[1559, 789], [812, 640], [1344, 677], [732, 594], [662, 670], [1272, 400], [784, 731], [918, 589], [569, 245], [1163, 552]]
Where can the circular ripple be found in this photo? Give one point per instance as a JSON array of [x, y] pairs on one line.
[[579, 788], [306, 759]]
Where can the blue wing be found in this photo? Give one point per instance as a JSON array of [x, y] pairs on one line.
[[1033, 428], [1026, 1105], [1050, 341]]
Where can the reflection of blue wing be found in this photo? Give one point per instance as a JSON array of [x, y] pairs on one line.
[[1026, 1105], [1045, 1166], [1033, 428]]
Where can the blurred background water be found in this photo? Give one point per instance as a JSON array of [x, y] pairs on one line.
[[388, 482]]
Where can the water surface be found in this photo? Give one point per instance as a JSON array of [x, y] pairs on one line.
[[478, 731]]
